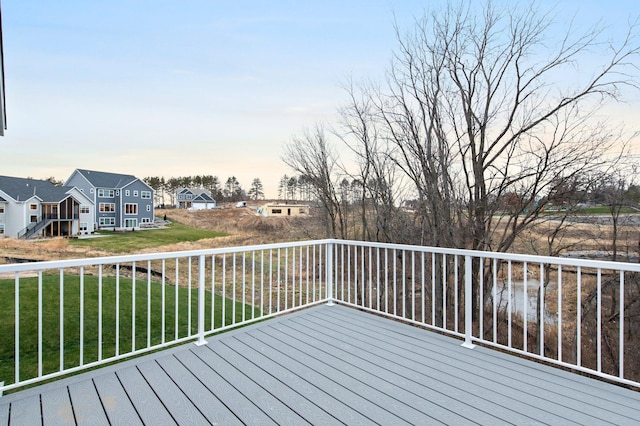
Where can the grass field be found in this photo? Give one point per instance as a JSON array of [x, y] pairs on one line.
[[599, 210], [114, 338], [125, 242]]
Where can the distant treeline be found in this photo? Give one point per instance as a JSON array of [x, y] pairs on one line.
[[165, 189]]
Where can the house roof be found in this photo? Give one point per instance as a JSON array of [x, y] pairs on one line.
[[200, 194], [194, 191], [106, 179], [21, 189], [203, 197]]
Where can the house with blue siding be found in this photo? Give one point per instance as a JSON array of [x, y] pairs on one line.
[[194, 199], [121, 201], [32, 208]]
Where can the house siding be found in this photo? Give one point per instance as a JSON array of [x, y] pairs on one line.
[[117, 219], [55, 212], [142, 214], [17, 215], [194, 199]]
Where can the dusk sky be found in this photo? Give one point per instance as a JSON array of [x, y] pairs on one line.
[[179, 88]]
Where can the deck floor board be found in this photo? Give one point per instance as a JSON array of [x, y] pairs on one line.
[[533, 402], [86, 403], [115, 400], [26, 411], [57, 408], [360, 396], [269, 381], [325, 365], [210, 405], [4, 414], [388, 391], [418, 376], [242, 407], [308, 383], [172, 397], [488, 367], [148, 405]]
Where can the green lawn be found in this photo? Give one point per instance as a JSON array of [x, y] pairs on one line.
[[71, 320], [599, 210], [125, 242], [606, 210]]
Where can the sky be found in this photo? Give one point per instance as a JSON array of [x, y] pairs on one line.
[[195, 87]]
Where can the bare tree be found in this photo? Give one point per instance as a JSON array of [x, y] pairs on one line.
[[475, 113], [474, 109], [312, 156], [376, 176]]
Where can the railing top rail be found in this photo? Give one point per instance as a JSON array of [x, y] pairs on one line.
[[44, 265], [70, 263], [586, 263]]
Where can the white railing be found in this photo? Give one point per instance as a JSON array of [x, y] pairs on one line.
[[559, 310], [61, 317], [65, 316]]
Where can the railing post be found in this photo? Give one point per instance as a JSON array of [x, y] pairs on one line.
[[329, 272], [468, 302], [201, 295]]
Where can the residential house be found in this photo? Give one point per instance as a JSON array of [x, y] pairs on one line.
[[122, 201], [31, 208], [194, 199], [284, 210]]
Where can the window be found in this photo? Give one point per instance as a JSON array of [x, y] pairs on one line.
[[105, 193], [1, 228], [130, 223], [145, 195], [106, 221], [1, 208], [33, 207], [135, 193], [276, 211], [126, 193], [107, 207], [83, 226], [146, 220], [130, 208], [148, 208], [33, 219], [91, 190], [84, 209]]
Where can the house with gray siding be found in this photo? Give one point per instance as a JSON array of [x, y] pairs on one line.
[[121, 201], [32, 208], [194, 199]]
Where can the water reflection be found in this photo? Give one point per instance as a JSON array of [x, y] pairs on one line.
[[518, 299]]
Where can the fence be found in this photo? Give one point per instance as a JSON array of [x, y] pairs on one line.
[[61, 317], [65, 316], [579, 314]]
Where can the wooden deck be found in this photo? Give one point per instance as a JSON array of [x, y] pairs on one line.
[[325, 365]]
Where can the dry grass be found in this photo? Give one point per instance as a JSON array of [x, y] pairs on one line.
[[575, 237], [244, 226]]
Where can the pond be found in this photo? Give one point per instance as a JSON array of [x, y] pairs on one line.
[[518, 299]]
